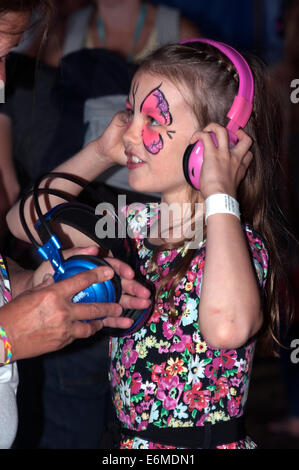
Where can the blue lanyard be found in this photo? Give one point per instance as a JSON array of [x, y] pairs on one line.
[[137, 34]]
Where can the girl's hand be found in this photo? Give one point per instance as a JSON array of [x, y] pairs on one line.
[[223, 168], [109, 145]]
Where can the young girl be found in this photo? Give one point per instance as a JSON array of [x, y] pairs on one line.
[[182, 380]]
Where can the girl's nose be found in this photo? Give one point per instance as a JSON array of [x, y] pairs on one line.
[[133, 133]]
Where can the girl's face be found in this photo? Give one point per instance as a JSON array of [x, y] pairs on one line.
[[12, 26], [161, 126]]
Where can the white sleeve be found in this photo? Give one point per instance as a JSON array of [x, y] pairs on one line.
[[9, 380]]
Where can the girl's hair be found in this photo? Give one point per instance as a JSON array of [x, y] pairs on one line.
[[21, 5], [213, 82], [44, 7]]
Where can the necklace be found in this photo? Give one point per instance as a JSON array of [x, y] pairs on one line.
[[137, 33]]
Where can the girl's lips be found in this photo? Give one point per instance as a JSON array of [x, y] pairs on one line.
[[131, 164]]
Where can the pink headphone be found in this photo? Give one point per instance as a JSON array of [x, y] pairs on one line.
[[239, 113]]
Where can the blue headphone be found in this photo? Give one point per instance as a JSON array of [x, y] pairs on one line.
[[83, 218]]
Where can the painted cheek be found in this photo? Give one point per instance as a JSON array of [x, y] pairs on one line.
[[152, 140]]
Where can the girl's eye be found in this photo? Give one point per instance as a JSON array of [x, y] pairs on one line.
[[153, 122], [130, 113]]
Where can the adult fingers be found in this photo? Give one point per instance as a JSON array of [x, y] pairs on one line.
[[71, 286], [95, 311], [85, 330]]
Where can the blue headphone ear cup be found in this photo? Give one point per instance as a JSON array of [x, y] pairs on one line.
[[139, 317], [107, 291]]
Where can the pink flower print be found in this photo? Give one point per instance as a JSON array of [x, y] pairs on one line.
[[157, 371], [235, 381], [181, 345], [113, 377], [211, 373], [169, 392], [166, 256], [125, 419], [148, 388], [228, 358], [139, 409], [232, 407], [154, 318], [165, 271], [191, 276], [129, 355], [171, 329], [233, 445], [196, 398], [202, 419], [136, 383], [133, 414], [222, 388]]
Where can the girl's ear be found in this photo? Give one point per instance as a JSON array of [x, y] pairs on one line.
[[195, 137]]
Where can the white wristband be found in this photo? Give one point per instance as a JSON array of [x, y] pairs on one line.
[[221, 204]]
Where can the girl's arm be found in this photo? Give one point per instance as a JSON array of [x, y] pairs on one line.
[[229, 308], [96, 157]]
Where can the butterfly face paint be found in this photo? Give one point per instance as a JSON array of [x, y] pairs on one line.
[[156, 107]]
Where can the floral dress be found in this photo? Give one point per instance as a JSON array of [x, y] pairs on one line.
[[166, 374]]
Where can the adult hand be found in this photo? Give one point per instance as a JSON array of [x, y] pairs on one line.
[[223, 168], [134, 295], [44, 318]]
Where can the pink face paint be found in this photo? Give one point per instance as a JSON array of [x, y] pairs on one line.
[[152, 140], [155, 106], [129, 108]]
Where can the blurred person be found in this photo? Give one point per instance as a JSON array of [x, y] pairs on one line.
[[57, 100], [36, 315]]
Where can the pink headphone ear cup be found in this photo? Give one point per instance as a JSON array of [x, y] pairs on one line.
[[193, 159]]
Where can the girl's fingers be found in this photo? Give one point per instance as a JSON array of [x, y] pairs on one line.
[[244, 143], [220, 134], [246, 161]]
